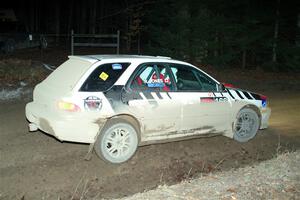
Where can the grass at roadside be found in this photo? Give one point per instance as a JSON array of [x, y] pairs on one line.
[[278, 178], [14, 71]]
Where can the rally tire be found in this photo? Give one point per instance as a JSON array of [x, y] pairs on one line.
[[246, 125], [117, 142]]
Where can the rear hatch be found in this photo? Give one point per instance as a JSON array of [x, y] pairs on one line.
[[61, 82]]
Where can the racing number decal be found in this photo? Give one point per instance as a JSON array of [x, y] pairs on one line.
[[213, 99]]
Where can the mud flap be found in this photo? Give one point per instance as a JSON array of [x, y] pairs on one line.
[[88, 156]]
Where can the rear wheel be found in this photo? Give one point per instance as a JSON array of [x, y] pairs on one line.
[[246, 125], [117, 142]]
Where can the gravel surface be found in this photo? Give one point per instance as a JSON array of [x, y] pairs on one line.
[[278, 178]]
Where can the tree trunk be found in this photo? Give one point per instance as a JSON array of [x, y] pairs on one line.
[[275, 37], [216, 51], [57, 22], [83, 18], [70, 20], [244, 59], [31, 8], [93, 15]]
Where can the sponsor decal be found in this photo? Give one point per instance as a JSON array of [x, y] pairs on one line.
[[207, 99], [167, 80], [116, 66], [221, 99], [103, 76], [93, 103], [213, 99], [156, 83]]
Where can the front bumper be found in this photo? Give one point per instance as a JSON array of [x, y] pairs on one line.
[[65, 127], [265, 116]]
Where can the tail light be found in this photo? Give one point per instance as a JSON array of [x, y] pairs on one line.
[[68, 106]]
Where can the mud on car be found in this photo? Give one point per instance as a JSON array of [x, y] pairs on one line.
[[119, 102]]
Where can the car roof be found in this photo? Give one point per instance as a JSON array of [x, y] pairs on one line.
[[93, 58], [139, 58]]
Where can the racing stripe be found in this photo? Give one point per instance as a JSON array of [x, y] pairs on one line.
[[165, 95], [155, 96], [256, 96], [169, 95], [230, 93], [238, 93], [136, 96], [143, 96], [158, 95], [250, 94], [148, 95], [247, 95]]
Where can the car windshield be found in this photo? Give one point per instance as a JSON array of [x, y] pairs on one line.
[[104, 76]]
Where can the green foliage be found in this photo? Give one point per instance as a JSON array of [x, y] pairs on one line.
[[289, 57], [220, 33], [168, 30]]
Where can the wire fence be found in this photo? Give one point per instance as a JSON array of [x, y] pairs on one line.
[[83, 40], [95, 40]]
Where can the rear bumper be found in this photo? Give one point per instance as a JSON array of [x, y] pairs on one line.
[[63, 127], [265, 115]]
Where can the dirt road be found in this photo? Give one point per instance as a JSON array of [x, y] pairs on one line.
[[37, 166]]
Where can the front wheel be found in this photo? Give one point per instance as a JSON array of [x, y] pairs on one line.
[[246, 125], [117, 142]]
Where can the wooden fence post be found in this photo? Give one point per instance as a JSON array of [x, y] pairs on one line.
[[72, 42], [118, 41]]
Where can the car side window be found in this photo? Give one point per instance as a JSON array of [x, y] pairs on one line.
[[152, 77], [190, 79], [208, 85], [185, 78], [103, 77]]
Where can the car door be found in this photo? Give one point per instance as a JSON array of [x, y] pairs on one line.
[[205, 109], [149, 99]]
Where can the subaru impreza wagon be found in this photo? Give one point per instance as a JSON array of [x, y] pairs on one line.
[[120, 102]]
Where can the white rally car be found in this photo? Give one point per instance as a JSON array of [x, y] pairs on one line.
[[119, 102]]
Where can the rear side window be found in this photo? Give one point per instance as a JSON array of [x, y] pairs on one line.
[[103, 77]]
